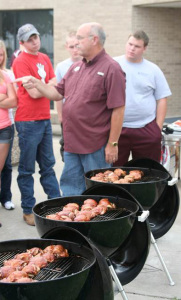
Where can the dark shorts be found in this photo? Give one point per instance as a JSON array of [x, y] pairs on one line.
[[5, 135], [142, 142]]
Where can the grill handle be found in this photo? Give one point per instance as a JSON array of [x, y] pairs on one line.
[[144, 216], [172, 181]]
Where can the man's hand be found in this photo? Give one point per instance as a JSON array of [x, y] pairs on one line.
[[28, 82], [111, 153]]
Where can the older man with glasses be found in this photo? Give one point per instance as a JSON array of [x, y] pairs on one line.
[[94, 89]]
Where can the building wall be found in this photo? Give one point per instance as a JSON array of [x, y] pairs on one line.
[[155, 2], [163, 28], [119, 18]]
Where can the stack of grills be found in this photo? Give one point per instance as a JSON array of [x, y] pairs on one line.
[[103, 248]]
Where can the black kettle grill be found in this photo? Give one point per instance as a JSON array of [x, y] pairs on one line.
[[82, 275], [124, 248], [156, 192]]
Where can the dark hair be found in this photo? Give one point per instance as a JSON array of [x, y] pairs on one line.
[[141, 35]]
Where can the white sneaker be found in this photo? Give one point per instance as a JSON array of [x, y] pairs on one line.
[[9, 205]]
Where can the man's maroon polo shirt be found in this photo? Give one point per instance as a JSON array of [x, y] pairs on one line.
[[91, 91]]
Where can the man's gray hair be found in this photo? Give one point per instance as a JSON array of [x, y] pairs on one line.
[[96, 29]]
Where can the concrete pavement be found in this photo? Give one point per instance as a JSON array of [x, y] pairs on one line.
[[150, 284]]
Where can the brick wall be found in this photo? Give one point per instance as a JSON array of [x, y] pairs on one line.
[[163, 28]]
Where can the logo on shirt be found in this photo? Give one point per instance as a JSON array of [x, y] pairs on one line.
[[100, 73], [76, 69], [41, 72]]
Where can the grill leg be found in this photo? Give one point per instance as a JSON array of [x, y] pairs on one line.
[[153, 241], [117, 281]]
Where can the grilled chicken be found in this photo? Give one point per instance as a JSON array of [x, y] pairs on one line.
[[25, 256], [39, 261], [57, 250], [90, 202], [35, 251], [16, 275], [31, 270], [6, 271], [15, 263]]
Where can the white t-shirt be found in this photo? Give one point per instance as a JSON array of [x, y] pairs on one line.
[[62, 68], [145, 84]]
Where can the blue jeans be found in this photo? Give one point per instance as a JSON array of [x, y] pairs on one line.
[[6, 175], [35, 142], [72, 181]]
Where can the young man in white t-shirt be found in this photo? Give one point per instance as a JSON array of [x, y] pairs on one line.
[[146, 102]]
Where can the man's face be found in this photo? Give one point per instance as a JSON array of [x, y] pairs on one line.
[[33, 44], [84, 41], [71, 46], [134, 50]]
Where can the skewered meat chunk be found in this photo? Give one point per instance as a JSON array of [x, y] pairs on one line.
[[129, 178], [107, 203], [39, 261], [99, 210], [136, 174], [72, 205], [82, 217], [67, 213], [108, 172], [137, 171], [101, 179], [6, 271], [49, 256], [113, 178], [15, 263], [57, 250], [53, 217], [31, 270], [120, 172], [25, 256], [86, 207], [16, 275], [90, 202], [35, 251]]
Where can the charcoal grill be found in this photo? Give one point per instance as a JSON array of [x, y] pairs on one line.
[[147, 190], [106, 234], [101, 230], [66, 278], [164, 212], [123, 260]]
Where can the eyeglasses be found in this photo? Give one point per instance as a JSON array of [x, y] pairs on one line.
[[79, 37]]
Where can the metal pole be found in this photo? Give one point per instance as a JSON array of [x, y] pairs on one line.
[[161, 260], [117, 281]]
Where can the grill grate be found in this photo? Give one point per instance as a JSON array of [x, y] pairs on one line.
[[109, 215], [7, 255], [64, 266]]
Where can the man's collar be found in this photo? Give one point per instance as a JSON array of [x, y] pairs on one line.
[[95, 59]]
